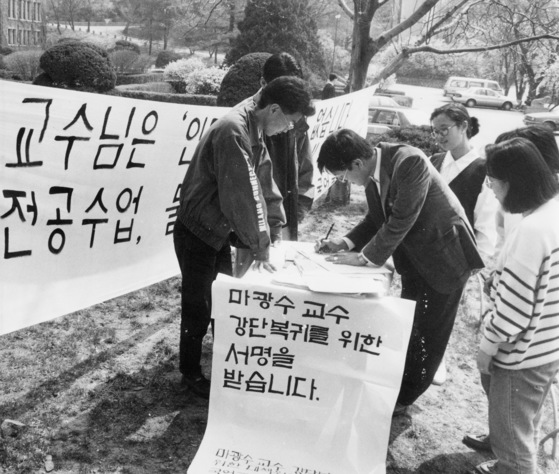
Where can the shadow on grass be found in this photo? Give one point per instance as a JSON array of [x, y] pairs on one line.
[[62, 381], [140, 423]]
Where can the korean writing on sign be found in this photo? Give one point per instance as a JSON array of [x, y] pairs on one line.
[[234, 462], [85, 140], [268, 325]]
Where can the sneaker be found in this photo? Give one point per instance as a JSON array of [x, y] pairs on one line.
[[440, 376], [478, 442], [487, 467], [199, 385]]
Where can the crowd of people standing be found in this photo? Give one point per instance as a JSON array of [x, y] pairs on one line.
[[441, 219]]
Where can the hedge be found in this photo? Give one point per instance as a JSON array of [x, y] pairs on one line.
[[163, 97]]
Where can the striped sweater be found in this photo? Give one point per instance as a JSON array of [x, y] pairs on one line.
[[522, 330]]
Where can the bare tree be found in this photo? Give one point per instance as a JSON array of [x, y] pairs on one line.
[[446, 19]]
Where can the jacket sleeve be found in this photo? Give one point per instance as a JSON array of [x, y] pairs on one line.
[[305, 175], [241, 197], [272, 195], [411, 180]]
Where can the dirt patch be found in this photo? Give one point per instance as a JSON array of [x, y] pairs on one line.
[[99, 390]]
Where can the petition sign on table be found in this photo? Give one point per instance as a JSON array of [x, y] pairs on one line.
[[89, 188], [302, 382]]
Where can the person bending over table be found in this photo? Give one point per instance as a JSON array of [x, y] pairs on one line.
[[414, 217]]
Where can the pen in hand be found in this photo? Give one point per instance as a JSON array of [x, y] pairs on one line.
[[324, 248]]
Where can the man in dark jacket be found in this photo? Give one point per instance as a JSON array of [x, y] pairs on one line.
[[329, 90], [228, 195], [290, 152], [415, 218]]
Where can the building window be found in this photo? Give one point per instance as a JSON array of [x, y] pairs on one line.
[[11, 36]]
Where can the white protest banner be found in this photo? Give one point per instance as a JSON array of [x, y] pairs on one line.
[[346, 111], [88, 196], [302, 382], [89, 193]]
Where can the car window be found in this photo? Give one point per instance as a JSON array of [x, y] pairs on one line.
[[387, 117], [478, 91], [491, 93], [476, 84], [493, 85], [458, 84]]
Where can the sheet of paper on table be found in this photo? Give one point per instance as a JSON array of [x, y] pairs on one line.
[[300, 266]]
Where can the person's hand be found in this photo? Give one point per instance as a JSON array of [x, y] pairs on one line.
[[330, 245], [260, 265], [347, 258], [484, 362]]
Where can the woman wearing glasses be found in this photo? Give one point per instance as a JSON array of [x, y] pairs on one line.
[[463, 169], [519, 350]]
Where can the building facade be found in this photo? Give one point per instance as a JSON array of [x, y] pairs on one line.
[[20, 23]]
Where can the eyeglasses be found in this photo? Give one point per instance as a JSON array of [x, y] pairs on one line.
[[489, 182], [288, 123], [442, 132], [342, 178]]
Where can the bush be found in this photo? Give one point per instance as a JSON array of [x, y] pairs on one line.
[[24, 64], [419, 137], [179, 70], [205, 81], [165, 57], [79, 65], [43, 79], [242, 80], [123, 60], [123, 45], [4, 51]]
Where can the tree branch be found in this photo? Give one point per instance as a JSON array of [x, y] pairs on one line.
[[430, 49], [423, 9], [345, 8]]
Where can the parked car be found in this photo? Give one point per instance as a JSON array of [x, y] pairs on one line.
[[397, 96], [382, 101], [481, 96], [383, 119], [549, 118], [456, 84]]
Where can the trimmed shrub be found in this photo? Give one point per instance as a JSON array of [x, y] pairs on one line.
[[4, 51], [205, 81], [162, 97], [178, 71], [419, 137], [123, 45], [165, 57], [24, 64], [139, 78], [43, 79], [242, 80], [79, 65]]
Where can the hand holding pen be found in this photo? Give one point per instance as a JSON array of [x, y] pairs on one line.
[[330, 246]]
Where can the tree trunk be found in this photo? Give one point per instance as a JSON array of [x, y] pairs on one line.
[[339, 193]]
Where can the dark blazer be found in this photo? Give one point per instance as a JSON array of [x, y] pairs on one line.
[[421, 222], [467, 185]]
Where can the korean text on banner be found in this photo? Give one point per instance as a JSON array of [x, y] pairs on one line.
[[89, 187], [301, 381], [89, 193]]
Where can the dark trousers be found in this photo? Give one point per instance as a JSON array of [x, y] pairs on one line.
[[199, 264], [432, 325]]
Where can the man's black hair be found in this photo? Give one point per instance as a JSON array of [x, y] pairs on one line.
[[281, 64], [291, 93], [341, 148]]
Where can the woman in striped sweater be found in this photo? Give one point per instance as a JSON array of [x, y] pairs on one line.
[[519, 350]]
